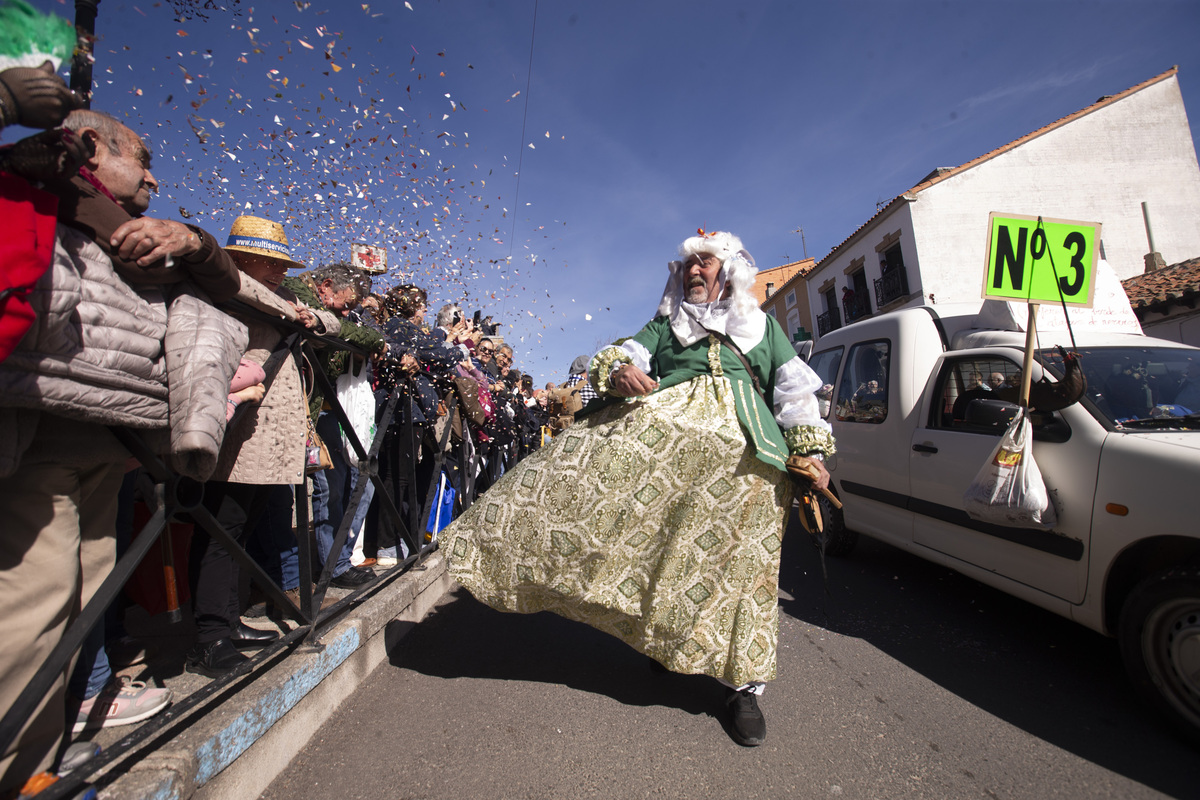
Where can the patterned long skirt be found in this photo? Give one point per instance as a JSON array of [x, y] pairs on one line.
[[650, 520]]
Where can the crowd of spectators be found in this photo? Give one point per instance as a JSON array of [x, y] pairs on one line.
[[114, 319]]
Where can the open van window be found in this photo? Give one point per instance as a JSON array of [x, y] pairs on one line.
[[826, 364], [967, 380], [863, 393]]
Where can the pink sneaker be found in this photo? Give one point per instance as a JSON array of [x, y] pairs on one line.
[[121, 702]]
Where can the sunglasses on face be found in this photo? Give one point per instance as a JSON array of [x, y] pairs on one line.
[[487, 351]]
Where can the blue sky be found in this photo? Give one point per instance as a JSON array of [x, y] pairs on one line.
[[647, 119]]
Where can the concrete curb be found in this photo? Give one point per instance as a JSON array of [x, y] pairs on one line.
[[238, 748]]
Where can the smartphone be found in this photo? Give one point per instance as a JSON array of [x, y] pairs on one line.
[[475, 319]]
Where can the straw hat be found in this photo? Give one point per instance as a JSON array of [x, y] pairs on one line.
[[260, 237]]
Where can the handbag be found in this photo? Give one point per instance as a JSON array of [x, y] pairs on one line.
[[468, 400], [801, 468], [316, 454]]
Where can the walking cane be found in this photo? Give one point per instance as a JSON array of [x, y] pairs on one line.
[[169, 584]]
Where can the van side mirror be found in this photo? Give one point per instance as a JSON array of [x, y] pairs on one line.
[[1049, 427]]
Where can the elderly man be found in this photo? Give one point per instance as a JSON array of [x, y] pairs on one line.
[[95, 357], [659, 519], [336, 288]]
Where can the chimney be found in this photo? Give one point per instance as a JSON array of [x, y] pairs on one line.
[[770, 289], [1153, 260]]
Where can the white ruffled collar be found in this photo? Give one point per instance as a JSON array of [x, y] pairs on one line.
[[691, 322]]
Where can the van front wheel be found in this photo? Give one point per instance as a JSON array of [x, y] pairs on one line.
[[1159, 635]]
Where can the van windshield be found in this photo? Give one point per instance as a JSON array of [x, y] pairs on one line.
[[1139, 387]]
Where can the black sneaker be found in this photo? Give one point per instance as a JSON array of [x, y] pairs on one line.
[[747, 726], [353, 578]]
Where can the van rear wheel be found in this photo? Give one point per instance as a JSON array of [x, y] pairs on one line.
[[1159, 635]]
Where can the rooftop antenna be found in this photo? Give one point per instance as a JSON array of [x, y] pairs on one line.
[[802, 242]]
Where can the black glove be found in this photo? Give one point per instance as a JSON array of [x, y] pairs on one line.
[[34, 97], [46, 155]]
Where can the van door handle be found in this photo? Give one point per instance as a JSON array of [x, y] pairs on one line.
[[924, 448]]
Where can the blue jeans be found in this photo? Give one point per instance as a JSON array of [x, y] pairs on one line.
[[329, 495], [92, 671], [360, 515]]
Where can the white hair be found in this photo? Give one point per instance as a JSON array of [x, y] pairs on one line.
[[445, 315]]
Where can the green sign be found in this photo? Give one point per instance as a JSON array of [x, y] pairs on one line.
[[1046, 261]]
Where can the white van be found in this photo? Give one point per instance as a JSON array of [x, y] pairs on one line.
[[907, 395]]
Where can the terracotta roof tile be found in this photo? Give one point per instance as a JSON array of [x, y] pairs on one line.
[[780, 276], [1162, 286], [942, 173]]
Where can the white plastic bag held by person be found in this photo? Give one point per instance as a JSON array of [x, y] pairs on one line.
[[355, 395], [1009, 489]]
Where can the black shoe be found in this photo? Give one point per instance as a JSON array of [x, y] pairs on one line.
[[747, 726], [243, 636], [353, 578], [214, 659]]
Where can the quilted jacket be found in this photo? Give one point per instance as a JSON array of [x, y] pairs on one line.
[[101, 352]]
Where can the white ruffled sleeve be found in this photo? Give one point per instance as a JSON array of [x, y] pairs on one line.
[[795, 396]]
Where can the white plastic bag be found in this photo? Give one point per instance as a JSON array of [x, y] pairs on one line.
[[1009, 489], [355, 395]]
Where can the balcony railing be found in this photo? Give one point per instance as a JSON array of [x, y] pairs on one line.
[[856, 307], [892, 286], [831, 320]]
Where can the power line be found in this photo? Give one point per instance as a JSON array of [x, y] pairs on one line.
[[512, 236]]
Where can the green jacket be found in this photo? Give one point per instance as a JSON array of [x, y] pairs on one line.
[[334, 362], [672, 363]]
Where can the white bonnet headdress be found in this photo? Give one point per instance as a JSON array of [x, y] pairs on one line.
[[737, 267], [741, 318]]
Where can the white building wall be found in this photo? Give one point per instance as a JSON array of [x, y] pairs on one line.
[[1183, 328], [899, 219], [1098, 168]]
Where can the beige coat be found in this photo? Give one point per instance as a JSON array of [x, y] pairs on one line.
[[265, 445]]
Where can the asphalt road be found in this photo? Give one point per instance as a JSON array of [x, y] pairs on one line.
[[904, 680]]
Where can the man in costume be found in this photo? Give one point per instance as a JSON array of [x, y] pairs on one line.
[[659, 518]]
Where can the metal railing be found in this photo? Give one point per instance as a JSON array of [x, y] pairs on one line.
[[856, 307], [892, 286], [171, 497], [831, 320]]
